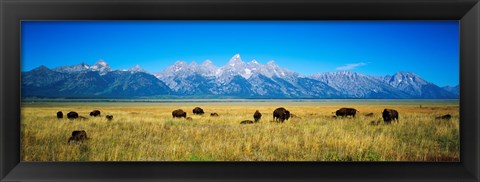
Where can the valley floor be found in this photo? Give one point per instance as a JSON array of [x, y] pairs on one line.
[[142, 131]]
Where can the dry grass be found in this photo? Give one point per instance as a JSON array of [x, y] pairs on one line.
[[148, 133]]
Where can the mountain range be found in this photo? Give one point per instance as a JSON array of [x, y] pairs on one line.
[[236, 79]]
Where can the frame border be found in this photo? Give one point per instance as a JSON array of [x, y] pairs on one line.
[[13, 11]]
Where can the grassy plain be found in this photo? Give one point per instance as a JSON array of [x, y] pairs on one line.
[[147, 132]]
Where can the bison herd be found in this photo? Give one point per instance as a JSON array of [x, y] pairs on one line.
[[179, 113], [388, 115], [279, 115], [74, 115]]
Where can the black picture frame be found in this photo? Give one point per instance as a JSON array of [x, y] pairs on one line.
[[13, 11]]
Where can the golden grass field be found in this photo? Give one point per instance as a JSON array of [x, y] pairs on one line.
[[147, 132]]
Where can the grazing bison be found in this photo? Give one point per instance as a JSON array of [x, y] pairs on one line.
[[179, 114], [281, 114], [214, 114], [198, 111], [369, 114], [247, 122], [95, 113], [59, 114], [109, 117], [72, 115], [445, 117], [257, 116], [78, 136], [345, 112], [390, 115], [189, 119]]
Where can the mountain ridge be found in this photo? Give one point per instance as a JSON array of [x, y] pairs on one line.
[[234, 79]]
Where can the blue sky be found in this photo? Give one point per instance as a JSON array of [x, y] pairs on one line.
[[428, 48]]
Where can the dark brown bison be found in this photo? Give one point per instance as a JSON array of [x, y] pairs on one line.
[[72, 115], [189, 119], [345, 112], [59, 114], [390, 115], [247, 122], [179, 114], [95, 113], [214, 114], [78, 136], [369, 114], [257, 116], [445, 117], [109, 117], [281, 114], [198, 111]]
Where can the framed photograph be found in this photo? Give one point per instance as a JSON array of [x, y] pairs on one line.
[[214, 90]]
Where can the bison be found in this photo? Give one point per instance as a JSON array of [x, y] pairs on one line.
[[78, 136], [59, 114], [198, 111], [281, 114], [214, 114], [72, 115], [95, 113], [179, 114], [345, 112], [109, 117], [445, 117], [390, 115], [189, 119], [369, 114], [247, 122], [257, 116]]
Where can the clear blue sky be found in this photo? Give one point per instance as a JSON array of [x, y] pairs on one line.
[[428, 48]]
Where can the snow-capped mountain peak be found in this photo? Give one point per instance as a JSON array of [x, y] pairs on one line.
[[405, 78], [178, 66], [193, 63], [271, 63], [271, 69], [254, 65], [236, 60], [82, 65], [72, 69], [254, 62], [101, 62], [207, 68], [180, 63], [414, 85], [207, 62], [101, 66], [136, 68]]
